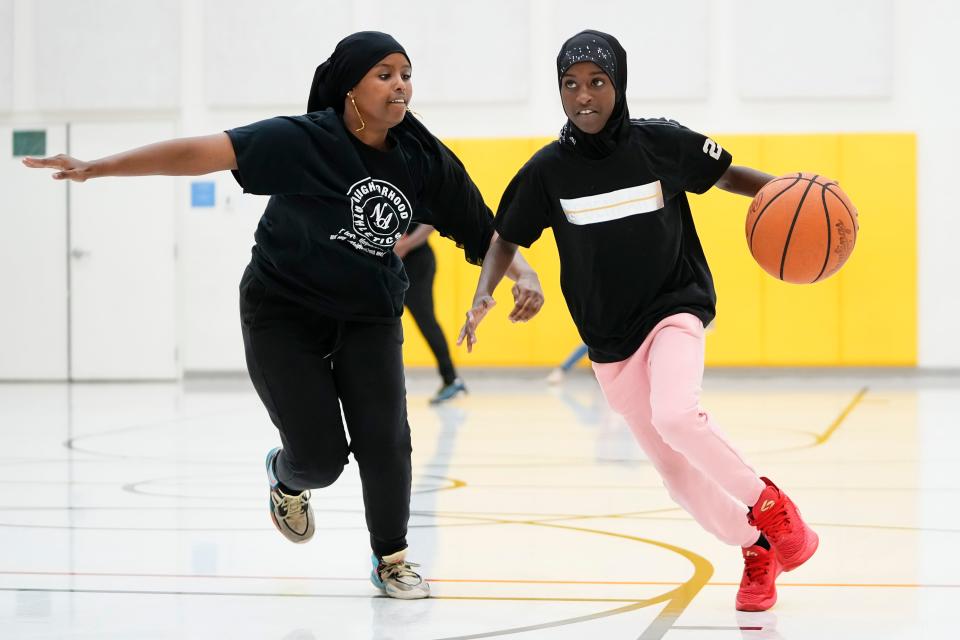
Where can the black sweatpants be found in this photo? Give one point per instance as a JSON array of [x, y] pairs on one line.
[[305, 366], [421, 267]]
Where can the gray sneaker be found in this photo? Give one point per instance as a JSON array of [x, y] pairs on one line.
[[394, 576], [449, 391], [291, 514]]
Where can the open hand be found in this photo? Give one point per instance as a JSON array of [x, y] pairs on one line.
[[67, 168], [481, 306]]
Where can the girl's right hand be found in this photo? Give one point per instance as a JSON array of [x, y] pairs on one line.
[[481, 305], [68, 168]]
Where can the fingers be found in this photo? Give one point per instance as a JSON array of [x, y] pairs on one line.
[[70, 168], [58, 161], [474, 316], [468, 332], [71, 174], [527, 304]]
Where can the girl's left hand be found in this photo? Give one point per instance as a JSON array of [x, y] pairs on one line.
[[527, 298]]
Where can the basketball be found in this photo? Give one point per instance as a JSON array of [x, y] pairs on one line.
[[801, 228]]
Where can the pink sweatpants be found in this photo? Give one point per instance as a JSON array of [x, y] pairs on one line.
[[657, 391]]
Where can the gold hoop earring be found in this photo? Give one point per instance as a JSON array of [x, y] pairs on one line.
[[363, 125], [409, 110]]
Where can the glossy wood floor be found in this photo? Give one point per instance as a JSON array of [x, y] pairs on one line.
[[139, 511]]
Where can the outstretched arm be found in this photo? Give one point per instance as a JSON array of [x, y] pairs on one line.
[[179, 157], [499, 258], [743, 181]]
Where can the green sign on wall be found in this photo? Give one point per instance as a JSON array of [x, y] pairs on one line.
[[29, 143]]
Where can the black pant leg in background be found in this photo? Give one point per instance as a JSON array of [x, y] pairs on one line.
[[421, 267]]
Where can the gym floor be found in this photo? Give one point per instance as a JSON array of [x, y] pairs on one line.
[[140, 511]]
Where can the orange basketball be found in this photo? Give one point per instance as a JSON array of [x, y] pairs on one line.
[[801, 227]]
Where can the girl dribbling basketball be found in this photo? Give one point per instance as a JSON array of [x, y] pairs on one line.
[[640, 291]]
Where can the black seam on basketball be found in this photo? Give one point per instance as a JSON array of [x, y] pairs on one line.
[[762, 211], [786, 245], [826, 213], [800, 177], [781, 178], [853, 223]]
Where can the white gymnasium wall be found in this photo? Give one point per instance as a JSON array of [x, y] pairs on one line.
[[106, 54], [487, 70], [6, 55], [253, 50], [816, 55]]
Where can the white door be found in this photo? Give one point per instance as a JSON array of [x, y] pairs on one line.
[[123, 262], [33, 263]]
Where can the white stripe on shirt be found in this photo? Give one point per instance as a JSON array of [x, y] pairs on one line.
[[614, 205]]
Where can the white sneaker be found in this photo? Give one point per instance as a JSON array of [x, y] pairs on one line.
[[394, 576], [291, 514], [556, 376]]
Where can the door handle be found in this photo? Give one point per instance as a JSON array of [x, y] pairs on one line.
[[79, 254]]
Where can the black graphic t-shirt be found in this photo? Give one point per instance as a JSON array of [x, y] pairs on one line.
[[629, 252], [337, 207]]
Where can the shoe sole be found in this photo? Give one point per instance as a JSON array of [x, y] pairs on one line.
[[756, 607], [435, 400], [397, 595], [808, 552], [404, 595], [759, 606]]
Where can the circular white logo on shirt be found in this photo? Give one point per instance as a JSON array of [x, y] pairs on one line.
[[380, 212]]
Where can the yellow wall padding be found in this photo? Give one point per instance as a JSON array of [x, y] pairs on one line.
[[865, 315]]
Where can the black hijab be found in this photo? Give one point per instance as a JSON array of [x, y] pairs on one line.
[[605, 51], [351, 59]]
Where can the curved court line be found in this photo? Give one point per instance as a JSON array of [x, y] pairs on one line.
[[545, 462], [677, 599], [70, 443], [135, 488]]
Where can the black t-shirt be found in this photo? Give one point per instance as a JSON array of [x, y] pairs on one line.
[[337, 207], [629, 252]]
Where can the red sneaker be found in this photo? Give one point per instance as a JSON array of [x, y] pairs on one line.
[[758, 587], [778, 518]]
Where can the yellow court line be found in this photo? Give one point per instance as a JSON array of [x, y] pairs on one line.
[[843, 415], [611, 206]]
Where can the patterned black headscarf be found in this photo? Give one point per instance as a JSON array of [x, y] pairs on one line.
[[605, 51]]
